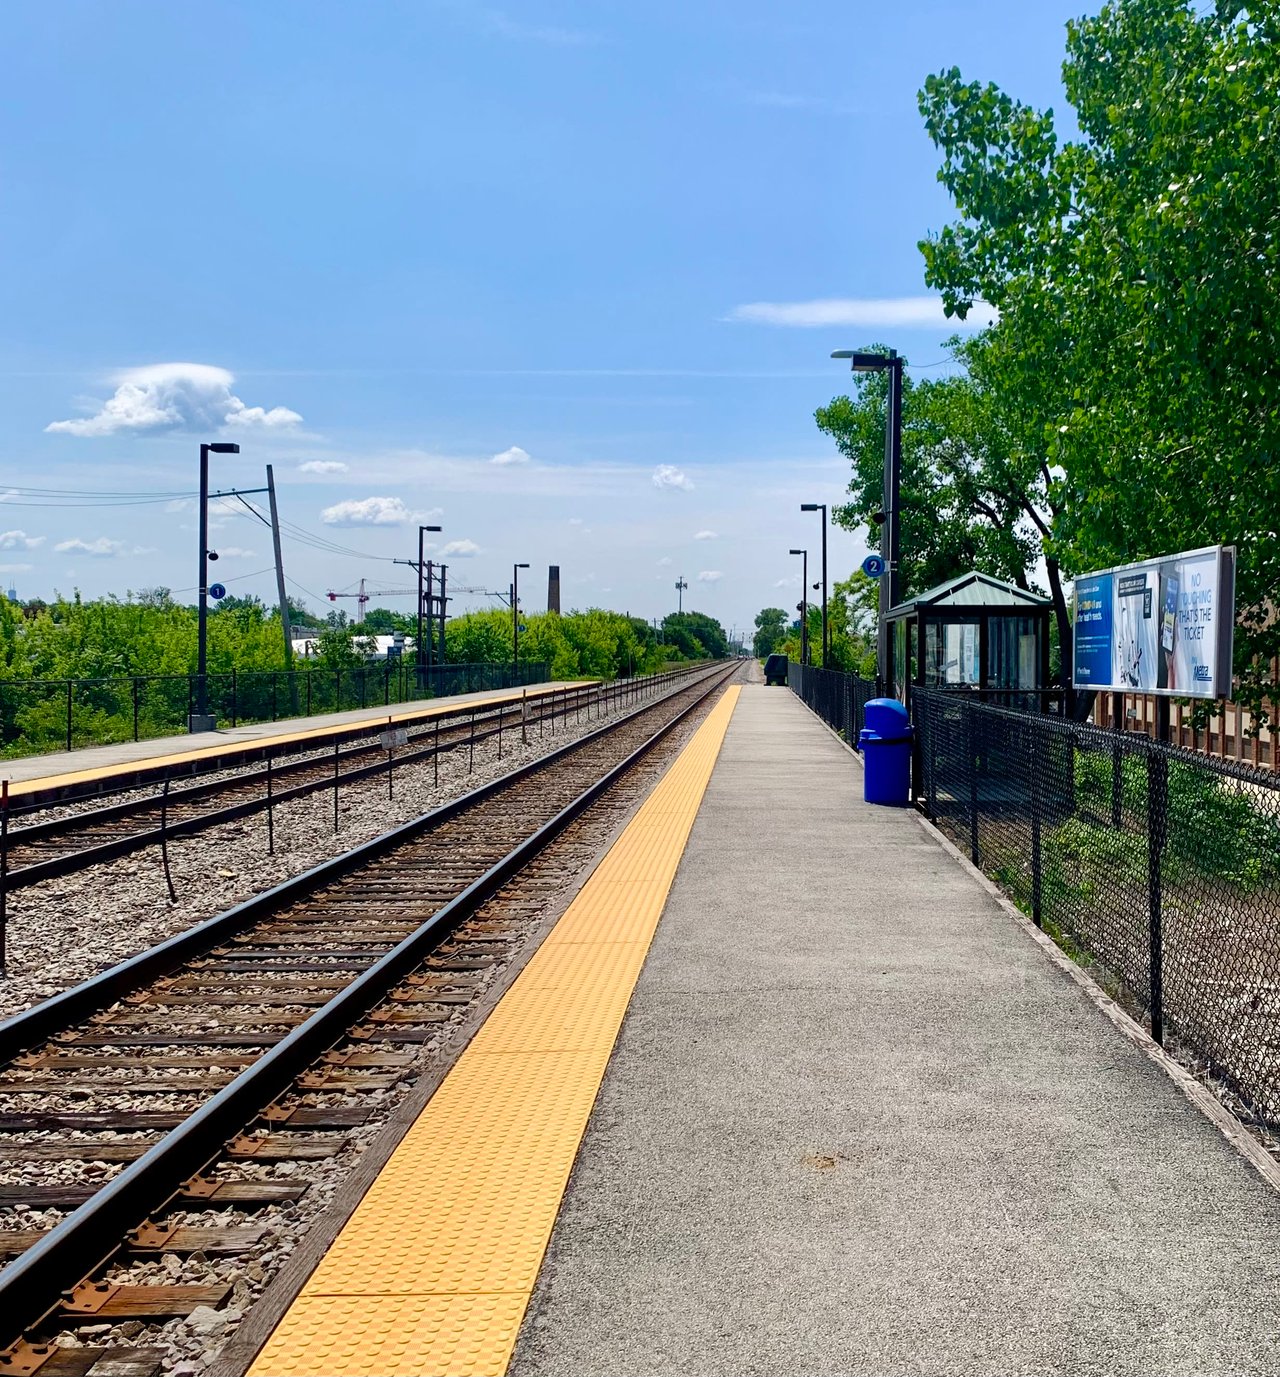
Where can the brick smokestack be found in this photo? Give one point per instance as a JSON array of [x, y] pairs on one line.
[[553, 588]]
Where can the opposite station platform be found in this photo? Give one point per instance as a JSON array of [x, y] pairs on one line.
[[788, 1089], [127, 761]]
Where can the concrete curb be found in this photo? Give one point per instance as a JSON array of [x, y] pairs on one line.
[[1231, 1128]]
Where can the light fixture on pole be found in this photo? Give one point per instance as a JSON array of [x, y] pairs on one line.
[[515, 614], [803, 609], [891, 537], [202, 720], [826, 634]]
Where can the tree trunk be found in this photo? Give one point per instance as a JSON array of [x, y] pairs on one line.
[[1078, 705]]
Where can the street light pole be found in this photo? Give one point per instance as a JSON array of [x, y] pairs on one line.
[[891, 533], [200, 720], [826, 634], [804, 605], [515, 615]]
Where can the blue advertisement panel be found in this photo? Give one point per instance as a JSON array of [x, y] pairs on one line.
[[1163, 626], [1093, 631]]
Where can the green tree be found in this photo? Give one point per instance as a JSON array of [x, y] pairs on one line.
[[771, 627], [1136, 269]]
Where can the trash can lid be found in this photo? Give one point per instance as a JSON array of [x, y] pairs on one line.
[[887, 717]]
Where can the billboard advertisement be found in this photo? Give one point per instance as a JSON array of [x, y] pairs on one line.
[[1162, 626]]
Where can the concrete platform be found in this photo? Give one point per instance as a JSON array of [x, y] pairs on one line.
[[857, 1122], [92, 762]]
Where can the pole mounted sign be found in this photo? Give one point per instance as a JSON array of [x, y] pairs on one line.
[[1163, 626]]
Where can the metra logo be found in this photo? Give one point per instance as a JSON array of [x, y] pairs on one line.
[[1201, 672]]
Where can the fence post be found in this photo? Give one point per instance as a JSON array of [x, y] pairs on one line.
[[1117, 769], [308, 693], [1034, 765], [70, 691], [164, 839], [235, 700], [971, 765], [1157, 831]]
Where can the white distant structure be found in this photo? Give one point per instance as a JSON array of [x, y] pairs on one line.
[[378, 647]]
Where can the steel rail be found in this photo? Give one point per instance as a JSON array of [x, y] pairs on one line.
[[31, 1286], [99, 852], [20, 1032]]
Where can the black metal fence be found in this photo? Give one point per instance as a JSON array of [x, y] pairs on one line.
[[60, 714], [1158, 864], [838, 698]]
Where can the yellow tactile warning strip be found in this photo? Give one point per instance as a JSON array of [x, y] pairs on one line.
[[376, 717], [433, 1271]]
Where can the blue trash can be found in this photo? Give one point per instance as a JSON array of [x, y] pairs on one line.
[[885, 743]]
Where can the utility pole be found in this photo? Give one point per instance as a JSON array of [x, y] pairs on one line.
[[285, 622], [444, 612], [515, 615], [200, 720], [681, 585]]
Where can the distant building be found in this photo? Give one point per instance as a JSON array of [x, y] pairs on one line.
[[304, 647]]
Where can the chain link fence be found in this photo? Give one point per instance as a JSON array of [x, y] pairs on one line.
[[840, 699], [38, 715], [1159, 865]]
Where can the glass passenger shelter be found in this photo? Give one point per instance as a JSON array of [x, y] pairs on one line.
[[975, 633]]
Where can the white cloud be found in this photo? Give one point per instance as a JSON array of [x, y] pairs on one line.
[[863, 312], [793, 581], [707, 535], [664, 562], [16, 568], [175, 396], [102, 548], [372, 511], [323, 466], [710, 576], [461, 549], [19, 540], [668, 476], [514, 455], [503, 26], [234, 552], [787, 100]]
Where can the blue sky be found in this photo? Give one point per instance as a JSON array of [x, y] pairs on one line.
[[381, 244]]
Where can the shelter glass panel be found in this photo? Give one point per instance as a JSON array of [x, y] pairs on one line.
[[951, 654]]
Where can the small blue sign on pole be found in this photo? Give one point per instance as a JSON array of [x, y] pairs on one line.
[[216, 590], [873, 566]]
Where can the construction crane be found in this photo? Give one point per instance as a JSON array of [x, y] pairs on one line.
[[363, 596]]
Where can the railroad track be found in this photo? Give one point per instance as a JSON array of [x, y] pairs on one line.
[[43, 848], [198, 1083]]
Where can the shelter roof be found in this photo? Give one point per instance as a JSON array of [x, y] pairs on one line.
[[972, 590]]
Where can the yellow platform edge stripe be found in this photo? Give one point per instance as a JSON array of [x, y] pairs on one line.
[[393, 713], [434, 1270]]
